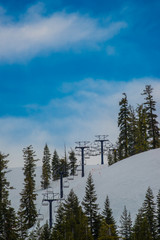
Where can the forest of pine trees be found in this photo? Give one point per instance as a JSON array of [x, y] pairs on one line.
[[138, 128], [138, 132]]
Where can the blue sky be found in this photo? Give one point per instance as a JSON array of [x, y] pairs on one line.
[[65, 64]]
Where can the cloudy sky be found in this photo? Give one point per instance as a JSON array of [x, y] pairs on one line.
[[64, 65]]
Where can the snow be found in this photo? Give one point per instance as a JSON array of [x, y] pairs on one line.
[[125, 183]]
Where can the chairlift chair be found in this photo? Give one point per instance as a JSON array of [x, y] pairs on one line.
[[44, 203], [79, 168], [76, 173], [71, 177], [40, 217], [66, 184], [49, 190]]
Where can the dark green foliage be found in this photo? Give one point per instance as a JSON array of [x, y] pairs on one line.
[[91, 207], [123, 124], [107, 232], [55, 165], [142, 143], [27, 210], [73, 161], [141, 229], [46, 168], [108, 216], [158, 214], [8, 223], [149, 211], [152, 123], [71, 223], [132, 130], [64, 166], [45, 233], [126, 225], [112, 156]]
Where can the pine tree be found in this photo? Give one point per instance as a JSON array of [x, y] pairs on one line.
[[45, 233], [59, 227], [46, 168], [132, 130], [64, 166], [71, 223], [141, 229], [123, 124], [107, 232], [73, 161], [91, 207], [142, 143], [158, 214], [108, 216], [55, 165], [8, 224], [110, 157], [126, 225], [149, 211], [27, 211], [153, 129]]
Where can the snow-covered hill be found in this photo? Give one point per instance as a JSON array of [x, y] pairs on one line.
[[125, 183]]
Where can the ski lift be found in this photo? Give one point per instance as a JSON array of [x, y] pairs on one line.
[[49, 190], [56, 209], [76, 173], [40, 216], [66, 184], [44, 203], [71, 177], [79, 168]]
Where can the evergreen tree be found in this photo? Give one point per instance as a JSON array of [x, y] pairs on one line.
[[27, 211], [45, 233], [126, 225], [141, 229], [123, 124], [46, 168], [153, 129], [64, 166], [158, 214], [8, 224], [149, 211], [141, 132], [107, 232], [71, 223], [113, 155], [91, 207], [108, 216], [132, 130], [73, 161], [55, 165]]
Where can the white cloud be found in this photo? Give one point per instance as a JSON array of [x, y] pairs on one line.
[[36, 34], [91, 109]]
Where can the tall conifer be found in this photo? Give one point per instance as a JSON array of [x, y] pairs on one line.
[[27, 210], [55, 165], [8, 224], [153, 129], [46, 168], [73, 161], [108, 216], [158, 215], [91, 207], [126, 224], [142, 143], [123, 124], [149, 211]]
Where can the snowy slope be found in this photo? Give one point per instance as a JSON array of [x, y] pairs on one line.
[[125, 183]]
